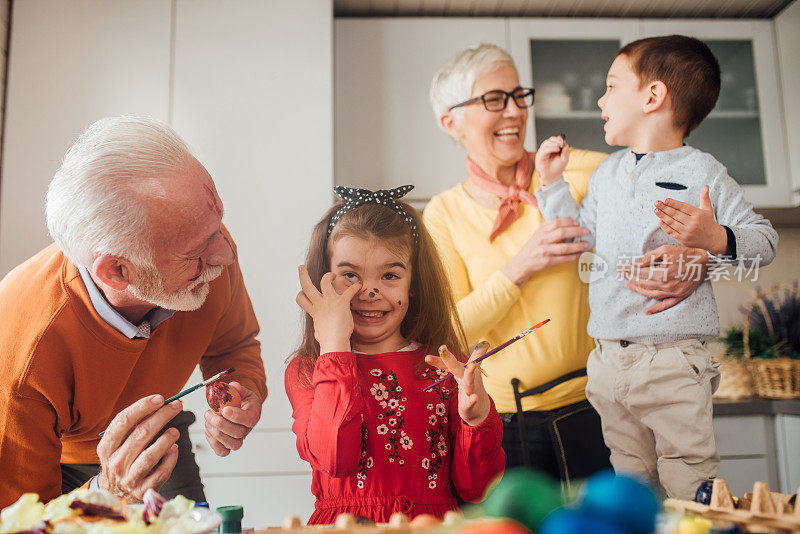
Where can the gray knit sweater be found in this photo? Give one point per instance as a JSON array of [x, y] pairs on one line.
[[618, 211]]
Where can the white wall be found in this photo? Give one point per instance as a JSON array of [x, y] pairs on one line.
[[248, 83]]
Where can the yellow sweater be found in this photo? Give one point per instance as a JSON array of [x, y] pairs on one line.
[[492, 307], [65, 372]]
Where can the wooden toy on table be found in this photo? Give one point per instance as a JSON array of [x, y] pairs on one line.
[[757, 510]]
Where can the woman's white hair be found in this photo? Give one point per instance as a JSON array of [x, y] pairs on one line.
[[97, 200], [453, 83]]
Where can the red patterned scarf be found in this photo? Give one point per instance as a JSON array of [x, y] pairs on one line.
[[510, 195]]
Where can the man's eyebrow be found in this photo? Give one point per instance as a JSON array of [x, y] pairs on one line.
[[204, 245]]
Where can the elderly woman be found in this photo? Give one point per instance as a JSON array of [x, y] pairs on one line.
[[510, 269]]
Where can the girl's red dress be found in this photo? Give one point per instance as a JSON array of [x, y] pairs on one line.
[[378, 444]]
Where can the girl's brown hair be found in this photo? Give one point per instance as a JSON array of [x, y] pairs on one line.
[[431, 317]]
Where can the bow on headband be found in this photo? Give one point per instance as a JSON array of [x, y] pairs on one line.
[[386, 197]]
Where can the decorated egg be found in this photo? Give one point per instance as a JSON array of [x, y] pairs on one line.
[[524, 495], [569, 521], [494, 526], [220, 394], [703, 493], [424, 520], [623, 500], [694, 525]]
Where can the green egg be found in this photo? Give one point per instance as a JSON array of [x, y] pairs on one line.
[[525, 496]]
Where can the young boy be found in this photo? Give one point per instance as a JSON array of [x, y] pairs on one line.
[[650, 375]]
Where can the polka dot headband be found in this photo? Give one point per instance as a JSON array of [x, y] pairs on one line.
[[354, 198]]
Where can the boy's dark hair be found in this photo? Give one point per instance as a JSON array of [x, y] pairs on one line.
[[688, 69]]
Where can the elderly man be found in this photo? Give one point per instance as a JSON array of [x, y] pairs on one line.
[[97, 329]]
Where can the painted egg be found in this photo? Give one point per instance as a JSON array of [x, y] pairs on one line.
[[622, 499], [220, 394], [569, 521], [703, 493], [524, 495], [424, 520], [494, 526]]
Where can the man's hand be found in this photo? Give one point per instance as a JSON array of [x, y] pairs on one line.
[[668, 274], [693, 226], [129, 462], [226, 432]]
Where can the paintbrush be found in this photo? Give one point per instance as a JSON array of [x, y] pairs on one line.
[[189, 390], [493, 351]]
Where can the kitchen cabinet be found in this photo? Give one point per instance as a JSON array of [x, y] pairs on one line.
[[758, 440], [566, 60], [249, 85], [385, 132]]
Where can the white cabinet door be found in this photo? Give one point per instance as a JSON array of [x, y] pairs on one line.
[[386, 133], [746, 130], [252, 94], [787, 35], [566, 61], [253, 97], [787, 437], [71, 63]]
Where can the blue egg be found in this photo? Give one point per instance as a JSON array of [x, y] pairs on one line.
[[703, 493], [622, 499], [569, 521]]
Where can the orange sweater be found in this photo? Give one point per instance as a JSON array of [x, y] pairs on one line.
[[65, 373]]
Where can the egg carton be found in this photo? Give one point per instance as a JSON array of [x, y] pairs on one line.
[[347, 524], [754, 511]]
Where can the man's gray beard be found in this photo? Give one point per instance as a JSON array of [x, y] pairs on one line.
[[150, 288]]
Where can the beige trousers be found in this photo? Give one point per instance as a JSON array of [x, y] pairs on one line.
[[655, 405]]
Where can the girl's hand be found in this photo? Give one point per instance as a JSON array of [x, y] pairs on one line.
[[333, 320], [473, 401], [551, 159]]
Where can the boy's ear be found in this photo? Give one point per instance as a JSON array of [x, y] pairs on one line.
[[450, 125], [656, 96]]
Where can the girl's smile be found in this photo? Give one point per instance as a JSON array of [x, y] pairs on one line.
[[379, 308]]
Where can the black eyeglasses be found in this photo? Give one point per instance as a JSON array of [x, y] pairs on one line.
[[497, 100]]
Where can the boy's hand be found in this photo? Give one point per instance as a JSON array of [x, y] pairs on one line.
[[693, 226], [473, 401], [333, 320], [551, 159]]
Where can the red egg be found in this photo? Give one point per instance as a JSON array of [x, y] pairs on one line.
[[220, 394], [494, 526]]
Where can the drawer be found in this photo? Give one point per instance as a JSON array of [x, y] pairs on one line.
[[741, 473], [266, 499], [263, 452], [741, 435]]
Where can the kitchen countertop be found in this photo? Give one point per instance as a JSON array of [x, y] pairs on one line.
[[756, 407]]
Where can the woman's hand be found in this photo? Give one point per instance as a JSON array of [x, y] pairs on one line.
[[473, 401], [545, 249], [333, 320], [551, 159], [668, 274], [693, 226]]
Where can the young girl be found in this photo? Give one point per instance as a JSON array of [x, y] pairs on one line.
[[376, 302]]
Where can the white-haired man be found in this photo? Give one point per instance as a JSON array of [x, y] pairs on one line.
[[97, 329]]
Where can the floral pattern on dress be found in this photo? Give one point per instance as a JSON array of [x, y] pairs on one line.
[[389, 396], [436, 434], [365, 463]]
